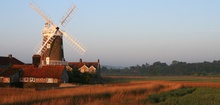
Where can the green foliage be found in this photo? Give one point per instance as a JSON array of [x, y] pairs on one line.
[[85, 78], [75, 76], [157, 98], [187, 96]]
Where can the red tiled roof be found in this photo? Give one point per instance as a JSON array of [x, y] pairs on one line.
[[22, 66], [8, 60], [80, 64], [44, 72], [9, 72]]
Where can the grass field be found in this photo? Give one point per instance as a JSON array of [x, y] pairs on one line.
[[187, 96], [129, 91]]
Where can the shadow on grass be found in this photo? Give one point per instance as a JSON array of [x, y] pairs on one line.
[[162, 97]]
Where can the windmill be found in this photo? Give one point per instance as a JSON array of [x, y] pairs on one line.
[[51, 48]]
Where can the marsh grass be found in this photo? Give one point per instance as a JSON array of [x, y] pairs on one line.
[[111, 94], [187, 96], [161, 97], [130, 93]]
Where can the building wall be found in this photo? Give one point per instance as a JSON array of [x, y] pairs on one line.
[[49, 80], [25, 79], [55, 80], [12, 79], [55, 51], [40, 80], [83, 69], [52, 79], [92, 70], [6, 80]]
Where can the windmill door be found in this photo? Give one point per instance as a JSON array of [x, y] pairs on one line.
[[47, 60]]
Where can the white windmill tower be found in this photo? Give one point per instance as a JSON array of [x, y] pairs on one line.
[[51, 48]]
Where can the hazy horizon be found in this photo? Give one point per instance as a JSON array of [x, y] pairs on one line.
[[119, 33]]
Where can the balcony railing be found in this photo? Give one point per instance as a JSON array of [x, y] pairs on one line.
[[52, 62]]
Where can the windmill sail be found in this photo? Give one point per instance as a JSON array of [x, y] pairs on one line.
[[67, 17], [74, 43], [43, 47], [42, 14]]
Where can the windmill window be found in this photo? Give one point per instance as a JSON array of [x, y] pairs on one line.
[[47, 60], [48, 46]]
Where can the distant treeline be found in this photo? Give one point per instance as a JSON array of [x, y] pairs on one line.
[[162, 69]]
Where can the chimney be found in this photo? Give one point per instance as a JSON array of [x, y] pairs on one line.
[[80, 60], [98, 60], [36, 60], [9, 55]]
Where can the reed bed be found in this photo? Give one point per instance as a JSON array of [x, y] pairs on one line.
[[108, 94]]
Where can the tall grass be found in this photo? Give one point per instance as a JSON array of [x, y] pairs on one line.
[[111, 94], [108, 94]]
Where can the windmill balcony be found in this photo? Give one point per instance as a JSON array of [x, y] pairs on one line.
[[54, 62]]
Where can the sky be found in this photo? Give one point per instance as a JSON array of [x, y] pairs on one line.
[[118, 32]]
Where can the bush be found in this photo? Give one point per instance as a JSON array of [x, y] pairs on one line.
[[75, 76]]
